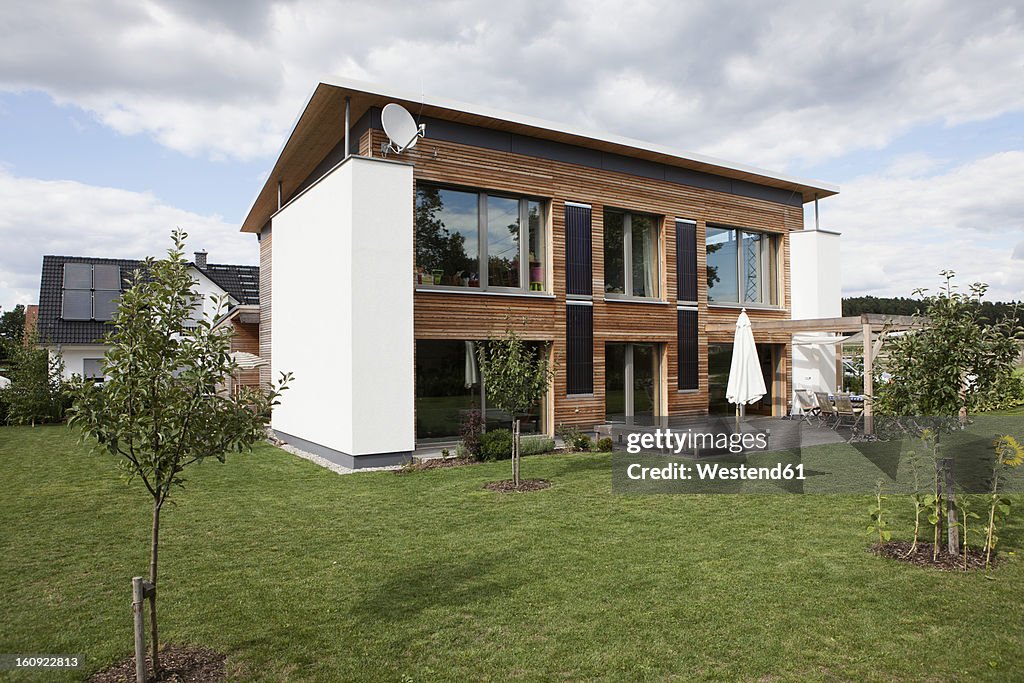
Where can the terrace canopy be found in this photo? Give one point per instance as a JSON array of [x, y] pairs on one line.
[[874, 327]]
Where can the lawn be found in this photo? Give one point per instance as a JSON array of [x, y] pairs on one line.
[[299, 574]]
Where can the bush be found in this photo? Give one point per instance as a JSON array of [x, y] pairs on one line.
[[605, 445], [471, 430], [4, 406], [38, 393], [535, 445], [496, 445], [574, 439]]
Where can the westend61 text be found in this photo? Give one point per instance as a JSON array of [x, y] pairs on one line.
[[714, 471], [677, 442]]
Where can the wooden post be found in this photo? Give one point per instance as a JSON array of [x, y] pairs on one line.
[[869, 381], [138, 597], [952, 529]]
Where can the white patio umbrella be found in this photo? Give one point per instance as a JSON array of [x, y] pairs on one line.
[[746, 383]]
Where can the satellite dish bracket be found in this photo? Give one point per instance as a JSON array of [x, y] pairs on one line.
[[390, 146]]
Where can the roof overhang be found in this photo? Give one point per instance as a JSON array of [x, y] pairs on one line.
[[320, 127], [244, 313], [854, 323]]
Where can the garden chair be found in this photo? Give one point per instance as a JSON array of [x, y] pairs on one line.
[[826, 412], [845, 412], [806, 405]]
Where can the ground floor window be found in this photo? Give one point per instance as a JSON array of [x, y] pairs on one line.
[[449, 387]]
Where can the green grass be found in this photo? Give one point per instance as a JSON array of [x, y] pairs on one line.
[[301, 574]]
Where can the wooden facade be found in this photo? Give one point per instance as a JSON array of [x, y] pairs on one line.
[[478, 315]]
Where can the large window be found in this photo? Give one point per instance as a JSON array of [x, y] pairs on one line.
[[458, 230], [741, 266], [449, 386], [631, 254]]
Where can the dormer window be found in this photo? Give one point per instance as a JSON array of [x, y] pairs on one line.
[[91, 292]]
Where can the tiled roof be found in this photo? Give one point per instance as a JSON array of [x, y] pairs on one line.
[[241, 282]]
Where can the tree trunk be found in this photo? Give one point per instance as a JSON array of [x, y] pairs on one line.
[[154, 548]]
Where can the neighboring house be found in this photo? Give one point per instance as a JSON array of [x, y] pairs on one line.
[[78, 297], [380, 275]]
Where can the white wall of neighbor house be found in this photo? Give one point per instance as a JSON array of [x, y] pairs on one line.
[[343, 310], [75, 355], [816, 293], [209, 292]]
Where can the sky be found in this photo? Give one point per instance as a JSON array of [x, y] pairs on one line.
[[120, 120]]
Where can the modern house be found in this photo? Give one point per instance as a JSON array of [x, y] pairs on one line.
[[78, 297], [381, 271]]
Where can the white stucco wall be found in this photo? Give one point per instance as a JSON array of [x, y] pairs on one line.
[[342, 299], [209, 291], [74, 356], [816, 293]]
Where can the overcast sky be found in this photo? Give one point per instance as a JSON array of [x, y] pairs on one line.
[[121, 120]]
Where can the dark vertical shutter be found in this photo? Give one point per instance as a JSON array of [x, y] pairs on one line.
[[686, 260], [578, 268], [579, 351], [689, 357]]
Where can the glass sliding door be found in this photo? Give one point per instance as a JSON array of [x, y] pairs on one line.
[[615, 382], [645, 380], [632, 382], [719, 364], [447, 386]]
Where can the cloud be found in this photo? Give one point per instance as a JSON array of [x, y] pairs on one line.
[[899, 231], [70, 218], [775, 85]]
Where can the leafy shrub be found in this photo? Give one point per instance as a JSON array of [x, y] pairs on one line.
[[534, 445], [1006, 392], [605, 445], [496, 445], [38, 392], [4, 406], [471, 430], [574, 439]]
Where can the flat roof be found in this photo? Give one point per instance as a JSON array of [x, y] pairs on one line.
[[320, 127]]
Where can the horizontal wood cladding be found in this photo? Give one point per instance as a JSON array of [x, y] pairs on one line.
[[442, 315], [246, 337], [468, 315], [265, 344]]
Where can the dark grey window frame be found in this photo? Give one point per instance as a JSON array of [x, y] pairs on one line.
[[770, 279], [483, 259], [627, 255]]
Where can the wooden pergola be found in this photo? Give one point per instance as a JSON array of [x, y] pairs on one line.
[[868, 324]]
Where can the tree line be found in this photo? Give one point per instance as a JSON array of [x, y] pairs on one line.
[[990, 312]]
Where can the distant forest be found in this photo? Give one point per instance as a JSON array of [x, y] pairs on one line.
[[990, 311]]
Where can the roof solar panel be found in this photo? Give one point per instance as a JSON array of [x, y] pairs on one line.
[[107, 277], [77, 304], [77, 276], [106, 304]]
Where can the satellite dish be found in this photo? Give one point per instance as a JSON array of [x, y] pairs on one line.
[[401, 129]]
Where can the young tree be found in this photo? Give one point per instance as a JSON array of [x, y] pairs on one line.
[[516, 377], [947, 368], [12, 335], [36, 393], [158, 410]]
